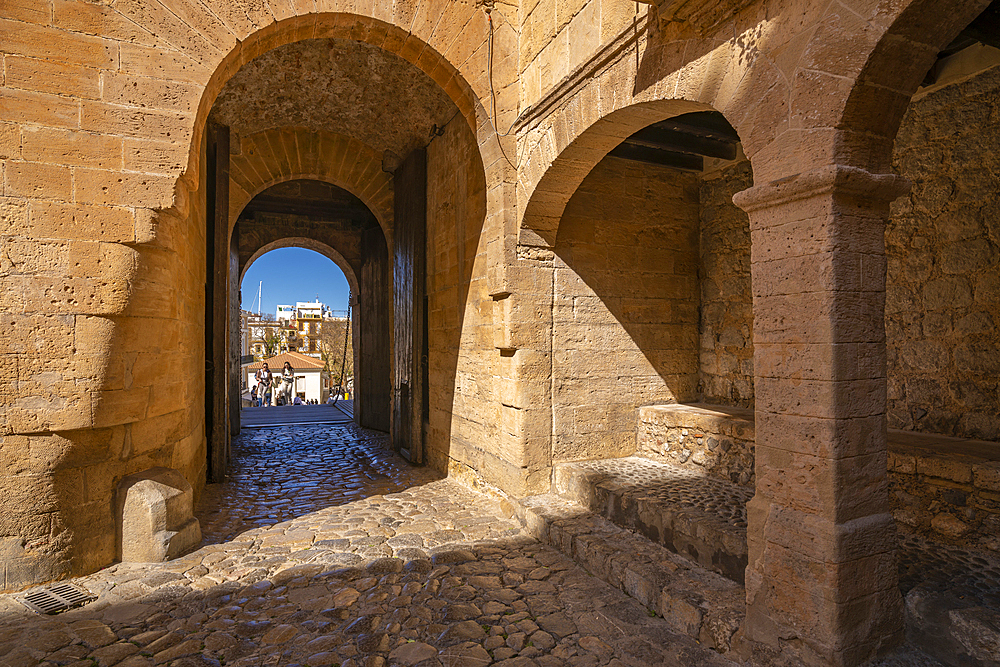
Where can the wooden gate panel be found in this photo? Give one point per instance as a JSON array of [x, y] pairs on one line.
[[408, 276], [372, 406], [234, 351], [216, 300]]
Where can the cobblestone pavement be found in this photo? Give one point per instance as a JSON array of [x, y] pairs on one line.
[[278, 474], [387, 566]]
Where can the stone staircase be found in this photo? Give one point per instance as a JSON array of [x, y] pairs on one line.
[[668, 526], [691, 514], [692, 600]]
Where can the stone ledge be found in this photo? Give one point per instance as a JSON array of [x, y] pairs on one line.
[[715, 439], [692, 600], [945, 485], [941, 484]]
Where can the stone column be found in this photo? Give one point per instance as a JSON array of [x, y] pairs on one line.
[[821, 582]]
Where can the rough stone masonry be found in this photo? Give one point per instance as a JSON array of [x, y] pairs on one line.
[[583, 207]]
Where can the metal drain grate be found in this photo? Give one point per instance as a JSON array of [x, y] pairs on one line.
[[56, 598]]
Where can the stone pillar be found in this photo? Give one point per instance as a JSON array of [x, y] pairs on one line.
[[821, 582]]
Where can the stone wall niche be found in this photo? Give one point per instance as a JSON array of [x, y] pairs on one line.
[[155, 517]]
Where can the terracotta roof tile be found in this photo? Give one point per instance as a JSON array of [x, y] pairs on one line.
[[296, 359]]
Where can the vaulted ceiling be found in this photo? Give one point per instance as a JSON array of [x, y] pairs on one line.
[[336, 85]]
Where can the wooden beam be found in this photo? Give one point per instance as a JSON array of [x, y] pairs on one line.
[[986, 27], [315, 210], [627, 151], [683, 142], [711, 124]]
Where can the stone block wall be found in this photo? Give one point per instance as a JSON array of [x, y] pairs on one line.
[[558, 36], [946, 486], [103, 275], [726, 368], [462, 428], [943, 290], [135, 369], [943, 250], [625, 305]]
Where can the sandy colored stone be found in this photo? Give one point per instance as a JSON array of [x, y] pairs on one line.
[[412, 653], [156, 516]]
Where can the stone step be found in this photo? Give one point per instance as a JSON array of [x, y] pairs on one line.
[[691, 599], [690, 513], [952, 601]]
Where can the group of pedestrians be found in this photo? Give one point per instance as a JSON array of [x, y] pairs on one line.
[[261, 394]]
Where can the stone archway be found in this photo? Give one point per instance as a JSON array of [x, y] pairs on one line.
[[317, 215], [817, 122], [322, 156], [309, 244], [141, 311], [818, 219]]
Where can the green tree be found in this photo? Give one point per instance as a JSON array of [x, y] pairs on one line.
[[271, 343]]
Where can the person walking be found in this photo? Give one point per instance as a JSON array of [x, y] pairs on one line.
[[263, 377], [287, 380]]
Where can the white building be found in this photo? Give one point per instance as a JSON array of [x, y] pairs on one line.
[[311, 310]]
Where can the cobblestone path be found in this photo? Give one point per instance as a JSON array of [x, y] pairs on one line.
[[353, 559], [278, 474]]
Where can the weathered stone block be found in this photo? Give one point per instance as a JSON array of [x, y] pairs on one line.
[[715, 439], [155, 516], [945, 468], [987, 476], [23, 565]]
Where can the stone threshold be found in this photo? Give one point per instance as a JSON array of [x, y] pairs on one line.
[[691, 599]]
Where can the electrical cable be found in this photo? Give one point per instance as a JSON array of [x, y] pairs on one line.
[[493, 94]]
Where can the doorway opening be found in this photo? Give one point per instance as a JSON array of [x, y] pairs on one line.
[[316, 257], [295, 316]]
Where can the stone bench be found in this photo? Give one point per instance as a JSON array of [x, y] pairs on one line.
[[715, 439], [946, 486]]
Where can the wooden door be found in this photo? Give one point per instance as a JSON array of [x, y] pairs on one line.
[[233, 353], [409, 311], [373, 403], [217, 259]]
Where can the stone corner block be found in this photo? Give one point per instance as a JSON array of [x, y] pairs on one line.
[[155, 516]]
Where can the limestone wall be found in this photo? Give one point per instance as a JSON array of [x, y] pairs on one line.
[[464, 418], [118, 389], [726, 370], [557, 36], [625, 306], [943, 248]]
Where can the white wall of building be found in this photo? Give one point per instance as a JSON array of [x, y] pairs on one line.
[[308, 382]]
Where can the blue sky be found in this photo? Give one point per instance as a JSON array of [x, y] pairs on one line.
[[294, 274]]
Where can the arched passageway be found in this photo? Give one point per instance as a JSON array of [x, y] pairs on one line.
[[322, 217], [323, 158], [115, 156]]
